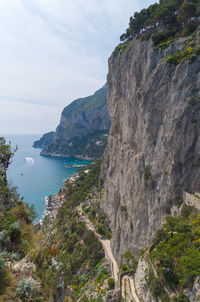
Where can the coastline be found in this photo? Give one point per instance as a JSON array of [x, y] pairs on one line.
[[55, 201], [66, 156]]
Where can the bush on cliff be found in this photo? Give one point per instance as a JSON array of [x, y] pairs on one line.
[[176, 250]]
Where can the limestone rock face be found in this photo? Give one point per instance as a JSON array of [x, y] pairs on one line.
[[153, 151], [141, 281]]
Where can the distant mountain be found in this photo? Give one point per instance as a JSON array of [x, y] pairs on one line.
[[83, 129], [45, 140]]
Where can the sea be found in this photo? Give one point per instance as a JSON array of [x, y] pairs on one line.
[[36, 176]]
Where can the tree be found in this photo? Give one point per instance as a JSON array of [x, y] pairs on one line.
[[6, 153], [187, 10]]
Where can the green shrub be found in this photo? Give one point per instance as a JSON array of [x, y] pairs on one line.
[[189, 53], [121, 48], [15, 256], [26, 289], [123, 267], [187, 210], [15, 230], [164, 38], [156, 287], [180, 298], [188, 29], [176, 249], [130, 261], [2, 263], [31, 213], [4, 238], [3, 272], [111, 283]]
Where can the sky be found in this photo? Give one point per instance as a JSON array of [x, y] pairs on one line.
[[52, 52]]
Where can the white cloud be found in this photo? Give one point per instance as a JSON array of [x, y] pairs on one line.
[[55, 51]]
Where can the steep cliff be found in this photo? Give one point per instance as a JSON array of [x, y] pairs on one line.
[[153, 151], [83, 128]]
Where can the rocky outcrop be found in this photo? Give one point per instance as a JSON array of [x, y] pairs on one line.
[[44, 141], [112, 296], [153, 151], [141, 281], [83, 129]]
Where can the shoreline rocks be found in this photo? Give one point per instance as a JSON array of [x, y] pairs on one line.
[[55, 201]]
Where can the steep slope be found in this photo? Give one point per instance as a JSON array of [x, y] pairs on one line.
[[16, 237], [83, 128], [153, 151], [44, 141]]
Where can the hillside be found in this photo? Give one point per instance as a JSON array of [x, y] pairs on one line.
[[44, 141], [82, 131]]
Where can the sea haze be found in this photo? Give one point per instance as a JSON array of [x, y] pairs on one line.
[[34, 175]]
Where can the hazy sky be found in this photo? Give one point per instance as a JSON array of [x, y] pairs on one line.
[[52, 52]]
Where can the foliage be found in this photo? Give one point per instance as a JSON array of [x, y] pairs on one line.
[[83, 185], [111, 283], [156, 287], [121, 48], [180, 298], [3, 272], [189, 53], [16, 231], [186, 11], [101, 273], [158, 19], [164, 38], [6, 153], [128, 262], [176, 250], [97, 217], [75, 136], [26, 289], [76, 250], [148, 178]]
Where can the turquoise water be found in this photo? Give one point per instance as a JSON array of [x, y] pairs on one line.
[[36, 176]]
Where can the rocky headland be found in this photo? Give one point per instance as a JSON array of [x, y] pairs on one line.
[[83, 129]]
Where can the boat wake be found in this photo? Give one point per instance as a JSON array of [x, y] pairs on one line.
[[30, 160]]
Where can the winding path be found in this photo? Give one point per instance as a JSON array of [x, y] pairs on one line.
[[126, 280], [105, 243], [128, 289]]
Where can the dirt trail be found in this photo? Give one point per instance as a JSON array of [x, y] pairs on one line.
[[128, 289], [132, 288], [105, 243], [127, 280]]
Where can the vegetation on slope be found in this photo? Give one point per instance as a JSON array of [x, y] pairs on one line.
[[16, 230], [164, 23], [44, 141], [64, 258], [98, 100], [90, 146], [69, 257], [164, 19], [176, 254], [83, 129]]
